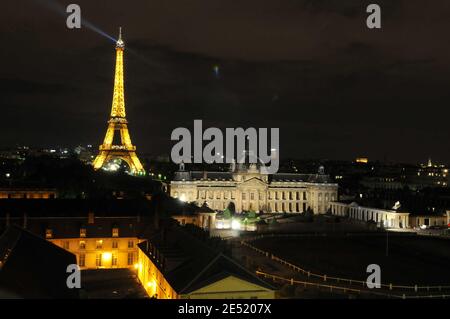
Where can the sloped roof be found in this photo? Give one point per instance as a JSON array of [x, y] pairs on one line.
[[32, 267], [192, 263], [219, 268]]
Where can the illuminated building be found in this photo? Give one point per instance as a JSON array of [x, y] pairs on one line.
[[171, 261], [176, 264], [247, 188], [101, 234], [430, 175], [125, 150], [30, 193], [427, 220], [202, 217], [363, 160], [384, 218]]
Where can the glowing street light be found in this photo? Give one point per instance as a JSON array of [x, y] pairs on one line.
[[235, 224], [106, 257]]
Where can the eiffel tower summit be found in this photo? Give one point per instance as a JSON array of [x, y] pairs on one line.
[[123, 150]]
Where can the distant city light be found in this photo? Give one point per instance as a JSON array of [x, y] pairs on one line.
[[112, 167], [363, 160]]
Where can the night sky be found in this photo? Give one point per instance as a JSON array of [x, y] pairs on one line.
[[335, 89]]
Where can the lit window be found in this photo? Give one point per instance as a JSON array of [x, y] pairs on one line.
[[130, 244], [99, 244], [82, 244], [48, 233], [115, 232], [82, 260], [114, 260], [98, 260], [130, 259], [82, 232], [115, 244]]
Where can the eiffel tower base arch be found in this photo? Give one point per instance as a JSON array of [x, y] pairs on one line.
[[128, 157]]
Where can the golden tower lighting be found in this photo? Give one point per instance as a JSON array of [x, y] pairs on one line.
[[124, 150]]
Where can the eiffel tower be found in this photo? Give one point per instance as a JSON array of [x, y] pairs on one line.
[[124, 150]]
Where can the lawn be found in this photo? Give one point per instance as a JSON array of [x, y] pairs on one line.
[[410, 260]]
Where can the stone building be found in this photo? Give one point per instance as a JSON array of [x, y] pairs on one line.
[[246, 188], [384, 218]]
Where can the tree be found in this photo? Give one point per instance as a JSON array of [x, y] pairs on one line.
[[227, 214]]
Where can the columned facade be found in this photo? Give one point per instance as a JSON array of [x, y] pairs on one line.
[[251, 190], [383, 217]]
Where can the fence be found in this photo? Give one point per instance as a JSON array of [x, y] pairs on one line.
[[333, 288], [325, 277]]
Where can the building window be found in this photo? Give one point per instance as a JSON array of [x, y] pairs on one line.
[[98, 260], [130, 259], [48, 233], [66, 245], [115, 244], [114, 260], [99, 244], [82, 260], [252, 196], [82, 244], [244, 197], [82, 232], [130, 244], [115, 232]]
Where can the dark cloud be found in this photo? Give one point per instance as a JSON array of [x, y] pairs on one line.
[[310, 67]]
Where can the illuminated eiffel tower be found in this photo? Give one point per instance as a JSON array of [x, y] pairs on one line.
[[124, 150]]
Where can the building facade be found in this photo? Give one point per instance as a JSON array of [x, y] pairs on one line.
[[28, 193], [248, 189], [175, 264], [425, 221], [384, 218]]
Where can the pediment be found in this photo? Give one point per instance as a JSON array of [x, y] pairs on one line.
[[254, 181]]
